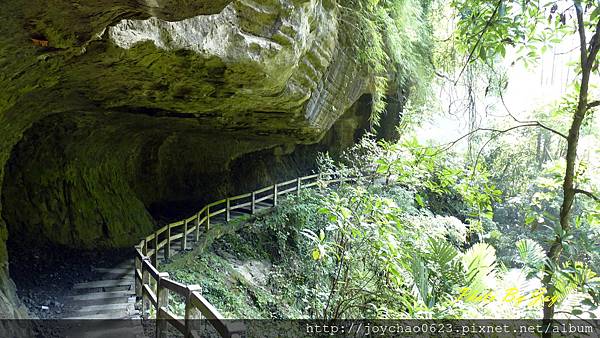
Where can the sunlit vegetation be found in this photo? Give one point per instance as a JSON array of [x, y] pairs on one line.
[[506, 227], [412, 238], [392, 39]]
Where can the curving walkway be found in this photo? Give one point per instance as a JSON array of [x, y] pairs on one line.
[[135, 289], [106, 307], [156, 289]]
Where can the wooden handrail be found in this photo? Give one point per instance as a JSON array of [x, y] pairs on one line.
[[264, 198], [216, 203], [163, 229], [176, 224], [178, 288], [287, 191], [309, 177], [146, 261], [152, 271], [287, 182], [239, 197], [263, 189]]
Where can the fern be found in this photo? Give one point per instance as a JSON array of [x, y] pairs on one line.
[[420, 275], [531, 255], [574, 277], [479, 263], [441, 252]]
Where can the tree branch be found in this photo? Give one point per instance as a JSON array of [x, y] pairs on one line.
[[581, 31], [493, 137], [499, 131], [487, 25], [537, 123], [588, 194], [593, 104], [594, 45], [437, 73]]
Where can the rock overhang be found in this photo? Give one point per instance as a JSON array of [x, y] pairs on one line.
[[283, 79]]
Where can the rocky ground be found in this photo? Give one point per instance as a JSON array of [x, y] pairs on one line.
[[44, 276]]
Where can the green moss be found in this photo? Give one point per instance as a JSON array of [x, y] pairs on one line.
[[221, 283], [72, 189], [91, 185], [393, 40], [271, 238]]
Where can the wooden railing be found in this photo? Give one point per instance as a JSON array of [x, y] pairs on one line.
[[155, 287]]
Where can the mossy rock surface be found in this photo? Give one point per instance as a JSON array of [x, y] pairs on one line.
[[117, 116]]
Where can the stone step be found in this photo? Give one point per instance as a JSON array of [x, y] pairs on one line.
[[127, 312], [75, 304], [108, 283], [112, 315], [105, 307], [103, 295], [128, 264], [114, 271], [100, 301], [106, 328]]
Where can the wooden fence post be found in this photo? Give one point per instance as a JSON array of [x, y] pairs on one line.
[[227, 210], [184, 238], [253, 203], [162, 297], [191, 313], [145, 281], [298, 183], [167, 251], [137, 266], [155, 257], [207, 218], [198, 226], [275, 195]]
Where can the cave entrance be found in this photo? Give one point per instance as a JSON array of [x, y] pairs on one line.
[[80, 189], [63, 196]]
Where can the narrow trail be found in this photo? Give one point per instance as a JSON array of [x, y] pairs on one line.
[[93, 306], [107, 306], [111, 296]]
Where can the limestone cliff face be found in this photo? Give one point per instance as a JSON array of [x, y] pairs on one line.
[[112, 112], [110, 109]]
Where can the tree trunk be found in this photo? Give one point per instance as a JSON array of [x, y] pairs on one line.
[[587, 64]]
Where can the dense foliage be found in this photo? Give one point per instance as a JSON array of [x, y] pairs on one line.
[[392, 39], [411, 232], [533, 27]]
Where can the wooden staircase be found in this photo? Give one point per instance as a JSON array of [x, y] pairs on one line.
[[104, 307]]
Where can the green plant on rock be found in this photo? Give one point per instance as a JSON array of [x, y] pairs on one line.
[[368, 255], [358, 252], [390, 37], [441, 183]]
